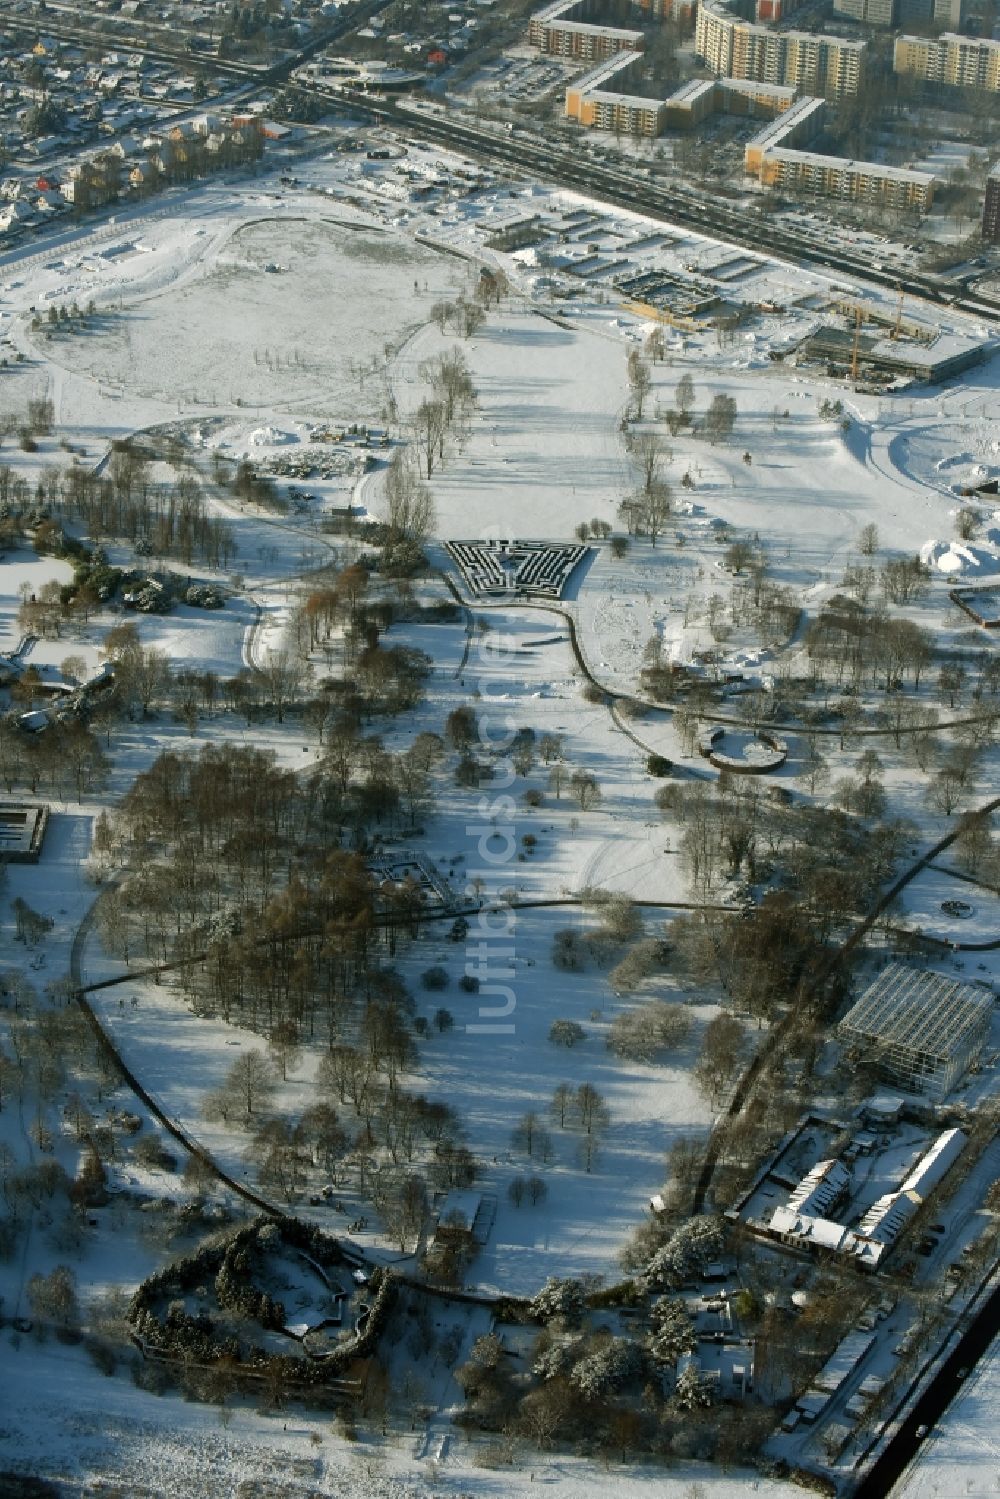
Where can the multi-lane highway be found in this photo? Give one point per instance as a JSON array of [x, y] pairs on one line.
[[524, 152]]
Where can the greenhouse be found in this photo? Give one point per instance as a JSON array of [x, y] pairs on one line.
[[924, 1029]]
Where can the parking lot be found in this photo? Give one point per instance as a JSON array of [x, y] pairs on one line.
[[525, 78]]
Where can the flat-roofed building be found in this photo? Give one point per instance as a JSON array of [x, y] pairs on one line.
[[566, 28], [831, 66], [793, 127], [991, 207], [692, 103], [750, 96], [835, 177], [870, 12], [914, 12], [592, 101], [609, 97], [964, 62], [923, 1029], [665, 10], [563, 30], [695, 101]]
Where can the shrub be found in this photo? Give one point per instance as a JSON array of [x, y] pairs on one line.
[[566, 950], [639, 1034], [152, 1153], [559, 1298], [204, 596], [640, 962], [435, 977], [102, 1356], [566, 1032]]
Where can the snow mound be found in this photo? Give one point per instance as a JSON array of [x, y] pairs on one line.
[[956, 460], [954, 559], [271, 437]]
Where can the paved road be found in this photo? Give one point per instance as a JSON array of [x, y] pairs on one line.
[[929, 1409]]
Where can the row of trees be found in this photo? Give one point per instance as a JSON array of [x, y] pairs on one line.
[[444, 413], [850, 644], [67, 759], [158, 519]]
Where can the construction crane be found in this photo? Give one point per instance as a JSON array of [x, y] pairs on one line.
[[899, 314], [855, 351]]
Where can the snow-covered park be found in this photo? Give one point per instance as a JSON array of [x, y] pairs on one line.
[[255, 323]]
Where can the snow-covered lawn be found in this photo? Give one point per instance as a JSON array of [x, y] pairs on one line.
[[494, 1078], [241, 318], [962, 1455], [66, 1421], [525, 677], [22, 573], [278, 317]]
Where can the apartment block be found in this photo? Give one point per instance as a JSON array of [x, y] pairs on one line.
[[560, 30], [695, 101], [835, 177], [591, 100], [734, 48], [665, 10], [869, 12], [991, 208], [914, 12], [773, 10], [949, 12], [797, 125], [964, 62], [570, 28]]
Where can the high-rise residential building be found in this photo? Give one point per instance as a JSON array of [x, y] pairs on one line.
[[829, 66], [575, 28], [871, 12], [949, 12], [557, 30], [663, 10], [959, 61], [774, 10], [914, 12], [991, 208]]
